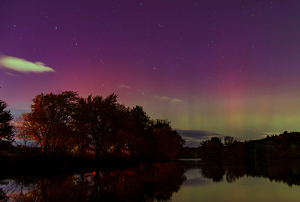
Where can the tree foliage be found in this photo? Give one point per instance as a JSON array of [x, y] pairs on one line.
[[168, 143], [228, 140], [64, 123], [94, 120], [285, 145], [50, 122], [6, 129], [214, 148]]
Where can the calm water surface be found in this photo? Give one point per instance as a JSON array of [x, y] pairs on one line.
[[185, 180]]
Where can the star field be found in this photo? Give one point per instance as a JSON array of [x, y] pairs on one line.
[[226, 67]]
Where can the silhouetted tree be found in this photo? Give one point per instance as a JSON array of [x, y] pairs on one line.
[[213, 148], [190, 152], [141, 126], [202, 147], [99, 121], [235, 150], [167, 143], [228, 140], [6, 129], [140, 117], [136, 128], [217, 140]]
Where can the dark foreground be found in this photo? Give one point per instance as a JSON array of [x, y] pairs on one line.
[[183, 180]]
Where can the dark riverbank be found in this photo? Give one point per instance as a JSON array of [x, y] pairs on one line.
[[39, 164]]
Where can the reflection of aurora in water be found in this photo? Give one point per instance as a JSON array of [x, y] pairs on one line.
[[150, 182]]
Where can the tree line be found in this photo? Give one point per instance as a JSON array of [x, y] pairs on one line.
[[285, 145], [66, 124], [215, 149]]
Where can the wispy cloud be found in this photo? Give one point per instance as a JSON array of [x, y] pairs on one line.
[[166, 98], [175, 101], [124, 86], [194, 137], [264, 134], [270, 133], [11, 74], [163, 98], [21, 65]]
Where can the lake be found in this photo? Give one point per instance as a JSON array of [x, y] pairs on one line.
[[183, 180]]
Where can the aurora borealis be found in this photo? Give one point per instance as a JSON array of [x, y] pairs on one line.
[[210, 67]]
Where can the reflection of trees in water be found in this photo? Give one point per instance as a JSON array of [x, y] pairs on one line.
[[216, 170], [141, 183], [214, 173], [230, 177], [147, 182], [286, 171]]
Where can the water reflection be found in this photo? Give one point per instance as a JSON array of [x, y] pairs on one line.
[[216, 171], [145, 182]]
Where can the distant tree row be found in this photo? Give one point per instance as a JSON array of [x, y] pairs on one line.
[[285, 145], [66, 124], [214, 149]]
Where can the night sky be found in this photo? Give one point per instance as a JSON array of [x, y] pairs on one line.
[[211, 67]]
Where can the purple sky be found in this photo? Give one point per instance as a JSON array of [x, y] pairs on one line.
[[210, 67]]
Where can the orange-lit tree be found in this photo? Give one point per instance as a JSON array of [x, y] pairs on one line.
[[50, 122]]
